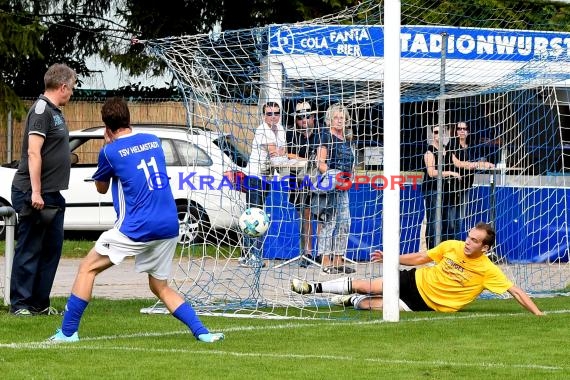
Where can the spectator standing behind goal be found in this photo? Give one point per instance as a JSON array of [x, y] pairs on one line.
[[449, 178], [461, 273], [42, 173], [268, 147], [302, 141], [335, 157], [466, 162], [146, 226]]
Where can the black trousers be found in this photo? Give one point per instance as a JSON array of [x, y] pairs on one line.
[[38, 250]]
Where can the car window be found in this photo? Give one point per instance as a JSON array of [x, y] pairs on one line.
[[228, 144], [192, 155], [85, 151], [170, 153]]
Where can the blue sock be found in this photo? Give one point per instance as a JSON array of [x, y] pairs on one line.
[[72, 316], [187, 315]]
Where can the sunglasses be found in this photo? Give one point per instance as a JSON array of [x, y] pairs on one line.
[[462, 129], [436, 132], [273, 113], [302, 117]]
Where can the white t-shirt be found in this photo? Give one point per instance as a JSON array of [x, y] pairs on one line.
[[259, 157]]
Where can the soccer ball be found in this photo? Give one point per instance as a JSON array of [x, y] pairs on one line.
[[254, 222]]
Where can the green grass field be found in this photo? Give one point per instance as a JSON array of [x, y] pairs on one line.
[[492, 339]]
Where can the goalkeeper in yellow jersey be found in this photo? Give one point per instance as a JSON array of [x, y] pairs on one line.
[[461, 272]]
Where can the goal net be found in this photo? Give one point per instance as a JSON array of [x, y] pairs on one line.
[[500, 80]]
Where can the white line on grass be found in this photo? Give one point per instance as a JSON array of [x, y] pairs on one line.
[[293, 325], [305, 357], [289, 325]]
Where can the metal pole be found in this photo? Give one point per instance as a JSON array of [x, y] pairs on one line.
[[442, 136], [9, 216], [9, 134]]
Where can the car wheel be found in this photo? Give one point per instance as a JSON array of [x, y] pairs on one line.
[[191, 223]]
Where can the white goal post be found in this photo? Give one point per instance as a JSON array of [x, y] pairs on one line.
[[391, 205]]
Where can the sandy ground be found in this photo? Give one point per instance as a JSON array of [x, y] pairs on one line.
[[117, 282]]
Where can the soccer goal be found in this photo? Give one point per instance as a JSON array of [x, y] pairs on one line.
[[505, 78]]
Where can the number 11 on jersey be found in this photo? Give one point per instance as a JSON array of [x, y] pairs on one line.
[[153, 177]]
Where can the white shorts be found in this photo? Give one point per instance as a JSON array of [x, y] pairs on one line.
[[153, 257]]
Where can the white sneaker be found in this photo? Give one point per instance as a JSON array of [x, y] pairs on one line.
[[342, 300], [301, 286], [60, 337], [211, 337]]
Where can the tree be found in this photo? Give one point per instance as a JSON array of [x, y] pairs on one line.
[[252, 13], [34, 34], [37, 33], [19, 38], [509, 14], [147, 19]]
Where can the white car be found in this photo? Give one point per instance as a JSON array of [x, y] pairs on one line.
[[196, 163]]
